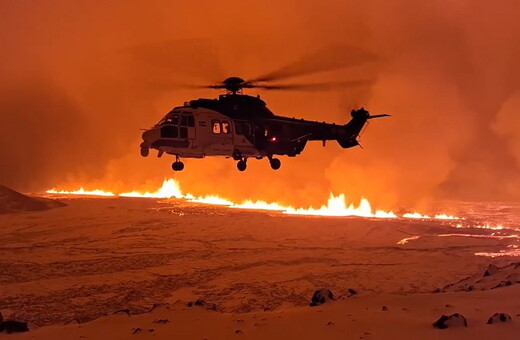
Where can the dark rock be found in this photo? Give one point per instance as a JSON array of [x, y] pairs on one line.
[[453, 320], [498, 318], [384, 309], [202, 303], [122, 311], [238, 331], [1, 318], [491, 269], [13, 201], [12, 326], [136, 330], [199, 302], [161, 321], [330, 323], [321, 296], [157, 305], [503, 284], [351, 292]]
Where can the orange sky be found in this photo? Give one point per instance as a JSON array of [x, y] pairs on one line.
[[79, 78]]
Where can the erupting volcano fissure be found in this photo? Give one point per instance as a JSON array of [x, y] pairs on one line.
[[336, 205]]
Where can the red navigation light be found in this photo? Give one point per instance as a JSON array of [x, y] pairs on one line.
[[273, 139]]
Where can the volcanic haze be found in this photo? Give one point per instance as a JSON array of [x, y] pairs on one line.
[[79, 78]]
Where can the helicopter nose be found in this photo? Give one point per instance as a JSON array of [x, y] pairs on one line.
[[147, 135]]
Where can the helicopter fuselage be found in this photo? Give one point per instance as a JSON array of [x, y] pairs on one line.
[[241, 127]]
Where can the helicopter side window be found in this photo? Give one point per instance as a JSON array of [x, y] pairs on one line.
[[238, 128], [184, 120], [226, 128], [191, 121], [169, 131], [246, 128], [242, 128], [216, 126]]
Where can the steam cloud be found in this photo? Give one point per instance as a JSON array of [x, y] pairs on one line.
[[80, 78]]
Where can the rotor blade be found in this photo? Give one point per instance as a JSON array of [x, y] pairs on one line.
[[317, 86], [194, 58], [326, 59]]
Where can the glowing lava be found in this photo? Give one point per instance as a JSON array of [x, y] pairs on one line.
[[416, 215], [336, 205], [82, 191], [446, 217], [169, 189]]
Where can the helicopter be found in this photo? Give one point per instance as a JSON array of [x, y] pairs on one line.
[[241, 127]]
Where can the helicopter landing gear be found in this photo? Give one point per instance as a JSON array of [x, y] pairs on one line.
[[242, 164], [145, 152], [275, 163], [177, 165]]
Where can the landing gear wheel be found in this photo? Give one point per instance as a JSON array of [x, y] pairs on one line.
[[275, 163], [178, 166], [242, 165], [145, 152]]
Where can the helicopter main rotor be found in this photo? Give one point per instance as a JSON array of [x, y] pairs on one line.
[[166, 58], [235, 85]]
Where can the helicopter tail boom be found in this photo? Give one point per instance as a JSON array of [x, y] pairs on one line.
[[354, 126]]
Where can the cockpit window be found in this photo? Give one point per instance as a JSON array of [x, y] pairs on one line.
[[169, 119]]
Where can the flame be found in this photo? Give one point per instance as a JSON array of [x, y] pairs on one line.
[[446, 217], [336, 205], [210, 199], [261, 205], [416, 215], [169, 189], [82, 191]]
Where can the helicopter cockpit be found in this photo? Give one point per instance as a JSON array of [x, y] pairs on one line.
[[175, 124]]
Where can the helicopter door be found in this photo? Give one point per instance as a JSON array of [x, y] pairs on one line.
[[187, 126], [219, 142], [244, 136]]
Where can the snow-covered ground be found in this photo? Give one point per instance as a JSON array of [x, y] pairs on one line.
[[256, 272]]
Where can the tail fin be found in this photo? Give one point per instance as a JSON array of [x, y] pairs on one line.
[[354, 127]]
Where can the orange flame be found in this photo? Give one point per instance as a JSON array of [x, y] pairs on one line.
[[82, 191], [336, 205]]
